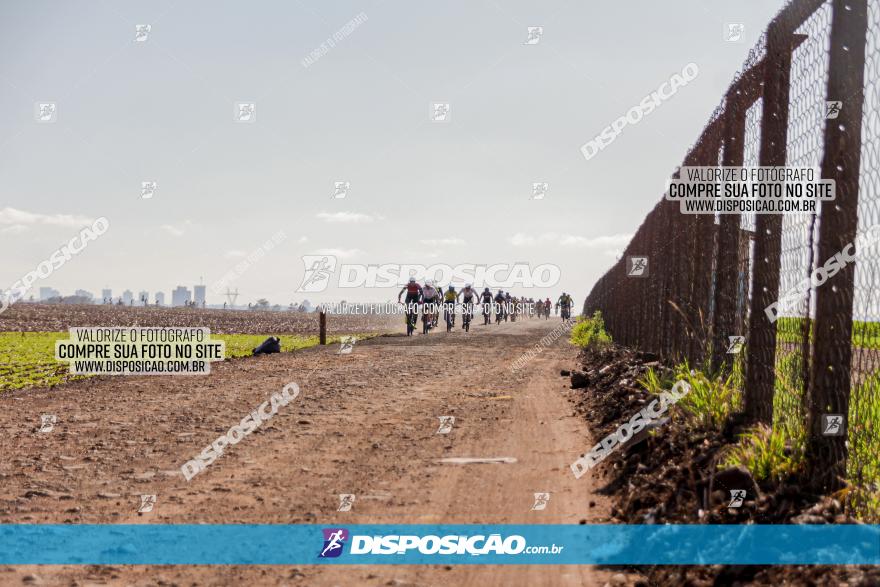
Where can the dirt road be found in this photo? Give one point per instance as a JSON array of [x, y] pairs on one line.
[[364, 423]]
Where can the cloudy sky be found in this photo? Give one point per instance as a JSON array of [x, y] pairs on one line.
[[420, 192]]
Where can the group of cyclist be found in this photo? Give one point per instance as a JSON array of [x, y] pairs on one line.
[[431, 299]]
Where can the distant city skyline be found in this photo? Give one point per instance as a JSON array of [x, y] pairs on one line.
[[47, 293]]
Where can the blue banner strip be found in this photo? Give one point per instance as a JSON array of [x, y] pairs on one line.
[[263, 544]]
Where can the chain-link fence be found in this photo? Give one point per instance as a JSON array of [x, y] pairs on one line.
[[808, 95]]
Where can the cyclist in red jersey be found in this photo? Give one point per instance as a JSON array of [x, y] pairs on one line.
[[413, 291]]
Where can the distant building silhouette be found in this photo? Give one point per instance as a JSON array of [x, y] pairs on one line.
[[127, 297], [160, 298], [181, 296], [107, 295], [47, 293], [81, 293], [199, 294]]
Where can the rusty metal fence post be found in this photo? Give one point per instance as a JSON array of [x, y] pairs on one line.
[[829, 390], [322, 326], [761, 358], [726, 263]]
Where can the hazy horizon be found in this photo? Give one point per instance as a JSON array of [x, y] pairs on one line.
[[163, 109]]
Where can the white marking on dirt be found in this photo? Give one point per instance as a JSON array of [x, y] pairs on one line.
[[470, 460]]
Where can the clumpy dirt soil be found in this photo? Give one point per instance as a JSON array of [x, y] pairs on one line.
[[673, 476], [364, 423]]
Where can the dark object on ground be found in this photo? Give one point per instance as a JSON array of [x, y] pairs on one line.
[[734, 478], [268, 346], [565, 373], [579, 379]]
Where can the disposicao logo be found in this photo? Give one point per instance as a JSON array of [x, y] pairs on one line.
[[334, 541]]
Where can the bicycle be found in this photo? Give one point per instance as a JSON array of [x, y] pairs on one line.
[[412, 316], [449, 315], [467, 311], [426, 320]]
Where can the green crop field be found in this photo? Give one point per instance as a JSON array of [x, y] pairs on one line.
[[28, 358], [865, 334]]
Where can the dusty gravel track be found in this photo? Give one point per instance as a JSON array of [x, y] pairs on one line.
[[364, 423]]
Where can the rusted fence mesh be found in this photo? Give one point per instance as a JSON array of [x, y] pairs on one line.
[[711, 276]]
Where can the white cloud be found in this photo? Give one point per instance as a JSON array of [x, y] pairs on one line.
[[15, 229], [21, 217], [176, 229], [439, 242], [341, 253], [347, 217], [568, 240]]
